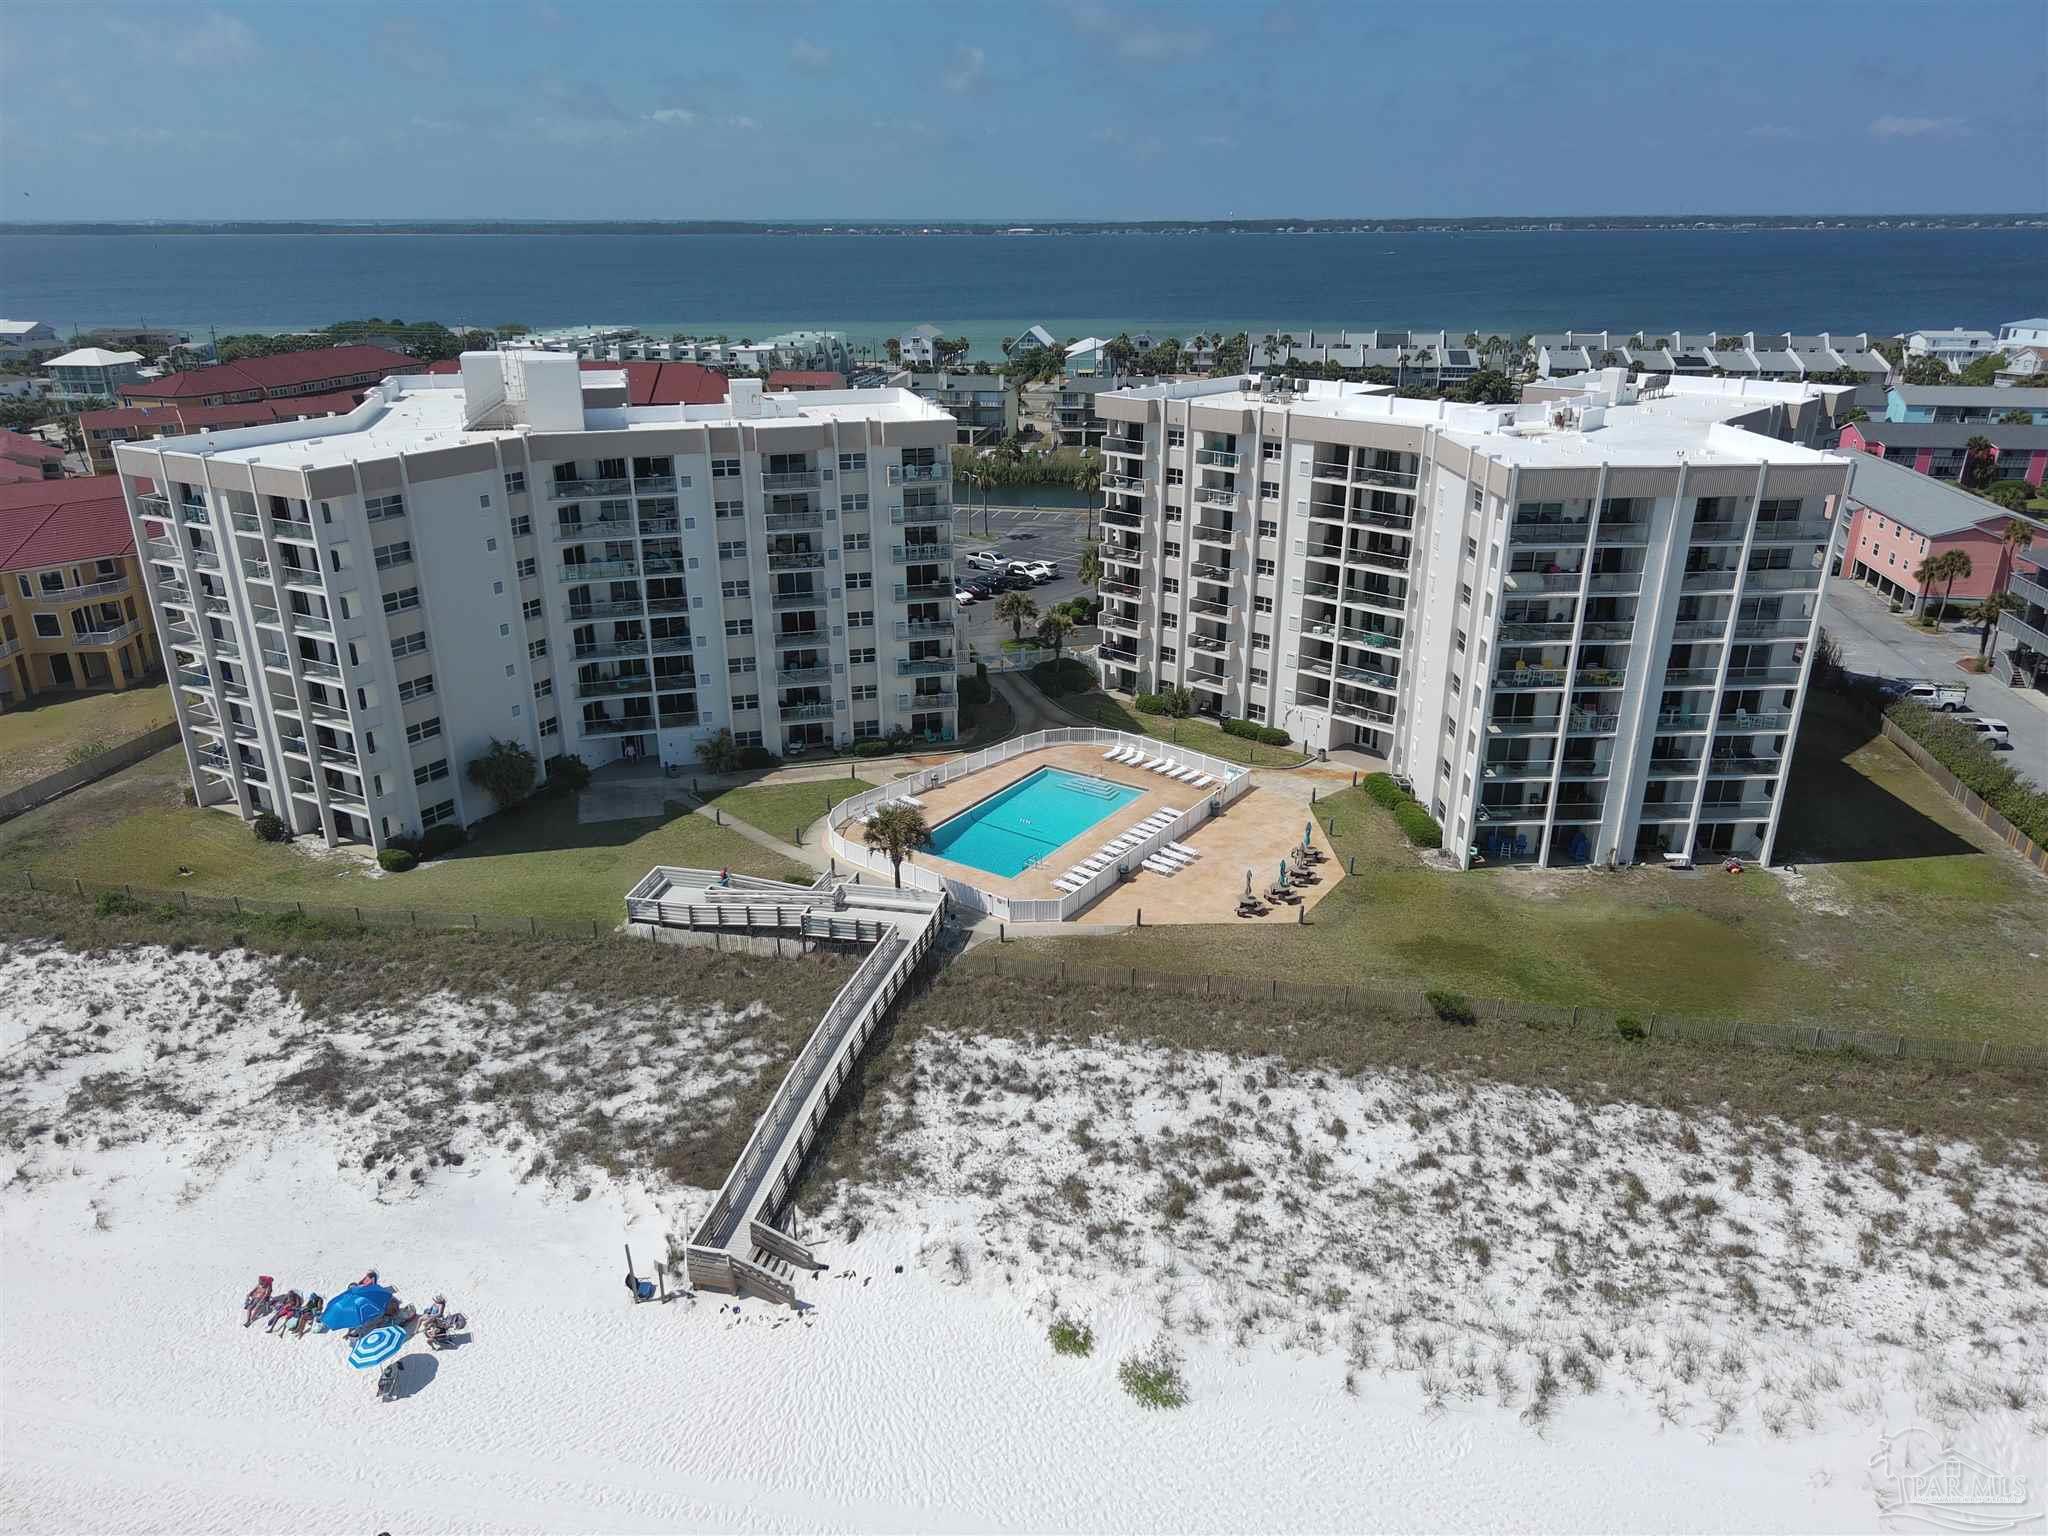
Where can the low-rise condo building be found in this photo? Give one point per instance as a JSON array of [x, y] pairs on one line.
[[1580, 626], [355, 608], [72, 609]]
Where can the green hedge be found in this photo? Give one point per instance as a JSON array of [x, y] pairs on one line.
[[1963, 753], [1382, 790], [1410, 815], [1251, 730], [1056, 679], [396, 860]]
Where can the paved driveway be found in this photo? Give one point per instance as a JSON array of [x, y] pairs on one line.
[[1054, 534], [1882, 643]]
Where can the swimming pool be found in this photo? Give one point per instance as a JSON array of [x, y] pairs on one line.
[[1013, 828]]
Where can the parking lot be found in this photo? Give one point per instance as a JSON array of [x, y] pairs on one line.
[[1053, 534], [1880, 643]]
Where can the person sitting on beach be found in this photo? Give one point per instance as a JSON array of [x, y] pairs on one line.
[[309, 1314], [257, 1302], [283, 1314]]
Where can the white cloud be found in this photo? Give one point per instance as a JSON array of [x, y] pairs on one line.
[[812, 58], [1915, 127], [742, 124], [964, 70], [1134, 36], [673, 117]]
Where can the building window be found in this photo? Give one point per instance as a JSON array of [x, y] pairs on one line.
[[1263, 567], [409, 645], [522, 526], [864, 693], [535, 649], [402, 600], [860, 618], [742, 702], [1176, 437], [1260, 677], [725, 469], [1169, 620], [423, 730], [849, 462], [528, 568], [732, 549], [415, 688], [552, 726], [854, 502], [434, 815], [857, 541], [1268, 529], [388, 555], [1170, 550], [515, 481], [1269, 490], [1269, 450], [862, 656], [377, 508], [428, 773], [1261, 642], [1262, 605], [746, 738], [860, 581], [734, 628], [1175, 476], [1255, 711], [728, 509], [866, 730], [544, 689], [47, 626], [1168, 655], [739, 666]]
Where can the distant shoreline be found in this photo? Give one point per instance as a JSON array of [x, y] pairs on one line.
[[896, 229]]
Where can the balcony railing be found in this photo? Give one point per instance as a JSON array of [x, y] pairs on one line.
[[924, 666], [153, 506], [612, 687], [669, 645], [790, 522], [654, 485], [2020, 632], [1120, 588], [1733, 765], [574, 490], [321, 669], [1773, 629], [1216, 533], [668, 604], [1761, 720], [1395, 479], [808, 599], [796, 560], [1780, 581], [1762, 677], [205, 559], [1738, 810], [1218, 458], [1628, 532], [1215, 496], [791, 480], [593, 650], [616, 725], [815, 711], [910, 629], [917, 553], [1368, 677], [162, 549], [1549, 533], [1529, 677], [1208, 570], [110, 636], [628, 608], [1543, 581], [651, 527], [1116, 518], [1131, 446], [907, 474], [598, 528], [1616, 581], [790, 677], [586, 570], [1117, 482], [679, 717], [907, 591], [1815, 530], [1717, 533], [192, 677]]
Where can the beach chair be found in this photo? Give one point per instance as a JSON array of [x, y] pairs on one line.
[[1200, 781], [1115, 754], [1167, 855], [1159, 866], [1184, 850], [910, 800], [1186, 775], [1067, 884], [1169, 811]]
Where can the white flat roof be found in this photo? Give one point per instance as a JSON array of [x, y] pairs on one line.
[[93, 357], [413, 413]]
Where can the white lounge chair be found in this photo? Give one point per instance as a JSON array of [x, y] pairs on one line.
[[1167, 766], [1169, 810], [1159, 866], [1068, 885], [910, 800], [1184, 850], [1200, 781], [1114, 754], [1183, 775]]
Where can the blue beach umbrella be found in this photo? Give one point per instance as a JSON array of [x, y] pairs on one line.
[[376, 1346], [357, 1305]]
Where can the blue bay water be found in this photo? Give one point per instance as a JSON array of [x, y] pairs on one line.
[[990, 286]]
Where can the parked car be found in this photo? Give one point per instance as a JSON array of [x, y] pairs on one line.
[[1945, 696], [1041, 571], [966, 597], [985, 560], [1010, 581], [1996, 733]]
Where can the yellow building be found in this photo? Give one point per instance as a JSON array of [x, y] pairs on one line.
[[73, 613]]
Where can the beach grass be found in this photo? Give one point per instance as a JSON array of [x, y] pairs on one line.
[[41, 738]]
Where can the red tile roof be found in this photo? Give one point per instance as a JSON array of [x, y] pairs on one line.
[[286, 370], [13, 472], [24, 449], [646, 383], [200, 418], [51, 522], [802, 378]]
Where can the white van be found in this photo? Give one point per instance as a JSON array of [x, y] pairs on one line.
[[1948, 696]]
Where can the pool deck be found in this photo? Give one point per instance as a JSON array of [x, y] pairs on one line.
[[1254, 833]]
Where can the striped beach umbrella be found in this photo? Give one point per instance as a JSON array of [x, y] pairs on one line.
[[377, 1346]]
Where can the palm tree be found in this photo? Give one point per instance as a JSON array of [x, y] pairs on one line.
[[1979, 459], [2017, 538], [1955, 566], [1987, 613], [895, 830], [1927, 573], [1016, 609], [1053, 630], [1090, 568]]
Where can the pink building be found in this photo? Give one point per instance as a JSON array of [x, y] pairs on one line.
[[1939, 448], [1898, 518]]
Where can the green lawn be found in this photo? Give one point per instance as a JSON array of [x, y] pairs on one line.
[[134, 828], [781, 810], [39, 740], [1903, 917], [1196, 735]]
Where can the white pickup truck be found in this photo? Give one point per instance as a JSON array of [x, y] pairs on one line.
[[1946, 696]]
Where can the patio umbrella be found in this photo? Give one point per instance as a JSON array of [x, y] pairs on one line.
[[357, 1305], [376, 1346], [1308, 836], [1247, 882], [1282, 881]]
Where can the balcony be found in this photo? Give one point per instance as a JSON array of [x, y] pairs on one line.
[[576, 490], [612, 687], [1763, 677], [193, 677], [153, 505], [161, 549], [1628, 533], [1373, 597], [1569, 811], [312, 624], [1700, 629], [673, 718], [1759, 809], [1355, 710], [614, 725], [205, 559], [1110, 618], [1393, 479], [924, 666], [796, 560], [1117, 518], [921, 512], [1781, 581], [653, 527], [814, 599], [1717, 533], [1773, 629], [793, 522], [111, 636], [1543, 581], [939, 698], [1558, 632], [215, 762], [1816, 530], [1122, 655], [1208, 679], [1523, 678], [1130, 447], [663, 565], [1710, 581], [911, 591], [1616, 581], [332, 714], [325, 670], [1592, 723], [195, 513], [919, 553], [1732, 765], [790, 677], [589, 570], [1216, 458], [256, 570], [2018, 631], [1215, 496], [1505, 772], [1549, 533], [1582, 770], [1371, 639], [263, 613], [1203, 570], [330, 753], [1690, 677], [1129, 483], [654, 485], [821, 710], [1736, 721], [910, 474], [1216, 533], [1386, 682], [911, 629], [593, 650], [621, 608], [668, 604], [1214, 645], [791, 480], [670, 645], [1674, 767], [596, 529], [1120, 588]]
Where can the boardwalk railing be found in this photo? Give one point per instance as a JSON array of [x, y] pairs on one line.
[[1233, 781]]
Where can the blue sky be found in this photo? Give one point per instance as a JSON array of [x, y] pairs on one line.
[[1018, 110]]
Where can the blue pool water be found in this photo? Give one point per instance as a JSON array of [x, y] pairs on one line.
[[1014, 827]]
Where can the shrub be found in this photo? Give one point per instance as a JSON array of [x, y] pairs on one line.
[[1980, 769], [879, 747], [270, 828], [406, 840], [1381, 789], [1450, 1007], [1251, 730], [1154, 1378], [116, 904], [1629, 1027], [1418, 826], [396, 860], [718, 752], [758, 757], [444, 839], [1071, 1338], [1056, 679], [568, 773], [1150, 703], [505, 772]]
